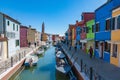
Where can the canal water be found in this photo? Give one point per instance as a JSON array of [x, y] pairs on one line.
[[45, 69]]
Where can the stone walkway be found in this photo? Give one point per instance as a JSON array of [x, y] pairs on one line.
[[101, 70]]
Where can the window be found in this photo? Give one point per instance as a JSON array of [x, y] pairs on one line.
[[80, 30], [8, 23], [87, 29], [118, 22], [96, 44], [92, 28], [82, 17], [13, 27], [17, 27], [107, 47], [113, 24], [97, 27], [114, 54], [108, 23], [17, 42], [84, 29]]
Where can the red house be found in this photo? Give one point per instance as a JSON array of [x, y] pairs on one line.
[[23, 36]]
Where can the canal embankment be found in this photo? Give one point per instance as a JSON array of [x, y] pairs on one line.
[[91, 68], [11, 65]]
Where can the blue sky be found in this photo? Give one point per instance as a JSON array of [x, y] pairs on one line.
[[56, 14]]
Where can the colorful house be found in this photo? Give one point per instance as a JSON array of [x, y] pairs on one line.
[[90, 34], [23, 36], [11, 29], [115, 39], [31, 35], [81, 29], [72, 32], [3, 47], [103, 29]]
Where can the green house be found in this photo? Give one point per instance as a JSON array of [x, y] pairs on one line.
[[90, 34]]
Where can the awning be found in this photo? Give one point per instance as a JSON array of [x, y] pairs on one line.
[[114, 42], [84, 41]]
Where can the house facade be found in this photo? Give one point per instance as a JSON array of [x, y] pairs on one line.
[[103, 27], [31, 34], [115, 39], [90, 34], [11, 29], [81, 29], [72, 34], [23, 36], [3, 47]]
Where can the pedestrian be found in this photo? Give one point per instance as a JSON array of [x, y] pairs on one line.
[[29, 44], [35, 44], [75, 47], [91, 51]]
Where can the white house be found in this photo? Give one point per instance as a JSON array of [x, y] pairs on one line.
[[11, 29]]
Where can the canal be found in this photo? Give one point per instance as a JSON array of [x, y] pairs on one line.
[[45, 69]]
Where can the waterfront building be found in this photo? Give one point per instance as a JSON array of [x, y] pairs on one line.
[[37, 37], [3, 47], [31, 34], [115, 39], [103, 16], [90, 34], [11, 29], [81, 29], [23, 36], [43, 34], [72, 34]]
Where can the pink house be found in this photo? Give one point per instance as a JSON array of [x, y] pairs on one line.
[[23, 36]]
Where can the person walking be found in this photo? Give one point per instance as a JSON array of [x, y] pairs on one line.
[[91, 51]]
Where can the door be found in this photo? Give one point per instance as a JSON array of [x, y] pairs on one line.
[[101, 50]]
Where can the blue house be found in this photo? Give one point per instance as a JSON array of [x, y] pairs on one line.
[[103, 20]]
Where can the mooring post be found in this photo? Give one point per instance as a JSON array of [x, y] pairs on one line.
[[91, 73], [81, 64]]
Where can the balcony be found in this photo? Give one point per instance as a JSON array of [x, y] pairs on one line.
[[105, 35], [10, 35]]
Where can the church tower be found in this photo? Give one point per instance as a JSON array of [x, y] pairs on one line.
[[43, 27]]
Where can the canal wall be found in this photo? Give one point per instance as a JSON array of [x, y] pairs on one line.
[[11, 65], [76, 68]]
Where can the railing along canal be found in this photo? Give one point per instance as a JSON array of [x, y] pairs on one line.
[[10, 62], [89, 72]]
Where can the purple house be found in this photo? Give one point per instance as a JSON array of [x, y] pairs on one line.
[[23, 36]]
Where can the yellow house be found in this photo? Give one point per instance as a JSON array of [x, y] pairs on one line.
[[3, 48], [115, 38]]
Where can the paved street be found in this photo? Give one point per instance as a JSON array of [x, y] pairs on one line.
[[105, 70]]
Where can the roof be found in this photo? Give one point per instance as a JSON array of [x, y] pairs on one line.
[[103, 5], [10, 18], [3, 39], [23, 27]]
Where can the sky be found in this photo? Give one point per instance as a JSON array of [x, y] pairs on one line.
[[56, 14]]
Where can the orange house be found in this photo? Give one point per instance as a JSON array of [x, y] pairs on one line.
[[115, 39], [72, 34]]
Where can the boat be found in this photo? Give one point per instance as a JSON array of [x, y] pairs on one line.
[[63, 68], [31, 60], [60, 55], [41, 51]]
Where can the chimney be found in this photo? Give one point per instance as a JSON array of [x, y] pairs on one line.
[[2, 35], [29, 26], [76, 21]]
